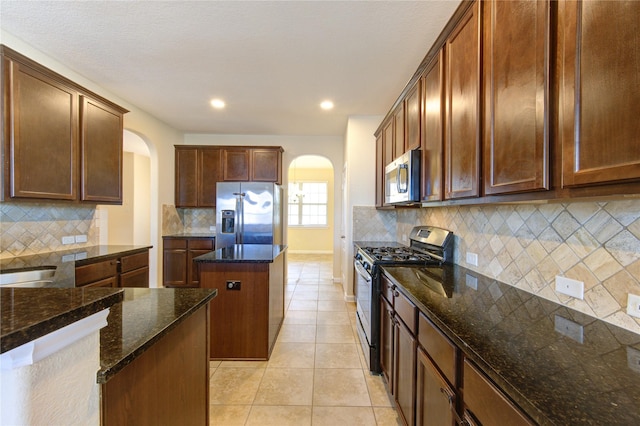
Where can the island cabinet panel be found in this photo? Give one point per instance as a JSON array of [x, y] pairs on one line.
[[599, 86], [516, 105], [485, 404], [168, 384], [101, 152], [462, 130], [432, 154], [40, 133], [235, 164]]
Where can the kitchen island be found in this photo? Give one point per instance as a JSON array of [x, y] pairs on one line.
[[153, 365], [249, 309]]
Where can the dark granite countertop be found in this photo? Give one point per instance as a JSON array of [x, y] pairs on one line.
[[561, 366], [30, 313], [65, 261], [378, 244], [190, 235], [143, 317], [243, 253]]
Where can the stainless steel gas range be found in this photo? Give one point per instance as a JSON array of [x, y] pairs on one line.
[[429, 246]]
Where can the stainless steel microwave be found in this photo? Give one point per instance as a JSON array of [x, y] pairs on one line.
[[402, 179]]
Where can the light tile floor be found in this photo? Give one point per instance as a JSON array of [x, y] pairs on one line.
[[316, 374]]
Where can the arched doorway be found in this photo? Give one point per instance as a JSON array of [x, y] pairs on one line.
[[310, 205]]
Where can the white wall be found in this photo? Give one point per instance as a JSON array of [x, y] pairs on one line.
[[157, 135], [330, 147], [360, 159]]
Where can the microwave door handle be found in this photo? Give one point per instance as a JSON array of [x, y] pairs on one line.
[[403, 184], [398, 187]]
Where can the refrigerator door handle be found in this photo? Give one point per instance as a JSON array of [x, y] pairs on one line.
[[239, 216]]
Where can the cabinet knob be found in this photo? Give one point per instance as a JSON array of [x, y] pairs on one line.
[[396, 293]]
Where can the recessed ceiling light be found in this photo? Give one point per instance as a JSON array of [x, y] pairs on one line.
[[217, 103], [326, 105]]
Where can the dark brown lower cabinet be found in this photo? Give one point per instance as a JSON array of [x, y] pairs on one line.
[[386, 341], [178, 269], [485, 404], [404, 371], [124, 271], [435, 399]]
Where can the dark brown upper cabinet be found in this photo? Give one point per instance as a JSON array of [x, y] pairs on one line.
[[599, 87], [197, 172], [413, 109], [432, 143], [235, 164], [399, 144], [101, 152], [379, 170], [266, 165], [60, 141], [389, 143], [40, 134], [462, 111], [516, 96]]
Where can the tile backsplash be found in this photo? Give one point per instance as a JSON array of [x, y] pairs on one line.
[[178, 220], [31, 228], [527, 245]]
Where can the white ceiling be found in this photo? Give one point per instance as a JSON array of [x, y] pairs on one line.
[[273, 62]]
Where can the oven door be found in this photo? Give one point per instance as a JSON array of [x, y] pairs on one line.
[[366, 310]]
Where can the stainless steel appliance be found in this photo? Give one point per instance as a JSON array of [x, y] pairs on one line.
[[402, 179], [429, 247], [248, 213]]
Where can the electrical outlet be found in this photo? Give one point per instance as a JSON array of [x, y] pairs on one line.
[[81, 238], [633, 305], [68, 240], [233, 285], [570, 287], [69, 258], [472, 258], [568, 328]]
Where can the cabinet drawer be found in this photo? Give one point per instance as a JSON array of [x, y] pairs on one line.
[[201, 244], [96, 271], [134, 261], [137, 278], [386, 289], [107, 282], [405, 310], [439, 347], [172, 243], [486, 402]]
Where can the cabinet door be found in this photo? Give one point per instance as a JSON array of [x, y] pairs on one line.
[[379, 170], [174, 263], [235, 164], [404, 378], [462, 141], [399, 145], [486, 403], [435, 399], [432, 144], [266, 165], [386, 342], [208, 176], [516, 141], [197, 247], [599, 88], [389, 142], [186, 185], [412, 115], [40, 125], [101, 152]]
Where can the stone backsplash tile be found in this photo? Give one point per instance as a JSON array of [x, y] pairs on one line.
[[370, 224], [178, 220], [32, 228], [527, 245]]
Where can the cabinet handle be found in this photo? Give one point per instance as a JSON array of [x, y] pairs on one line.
[[396, 293], [448, 395]]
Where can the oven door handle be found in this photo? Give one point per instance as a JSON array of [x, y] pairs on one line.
[[362, 272]]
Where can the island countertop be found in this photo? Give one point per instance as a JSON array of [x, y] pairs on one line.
[[65, 261], [557, 364], [243, 253]]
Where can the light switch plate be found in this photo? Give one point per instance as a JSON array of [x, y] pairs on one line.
[[633, 305], [472, 258], [570, 287], [81, 238], [68, 239]]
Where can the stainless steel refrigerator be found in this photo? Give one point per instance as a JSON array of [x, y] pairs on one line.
[[248, 213]]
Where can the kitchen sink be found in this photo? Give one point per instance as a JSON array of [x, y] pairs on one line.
[[28, 278]]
